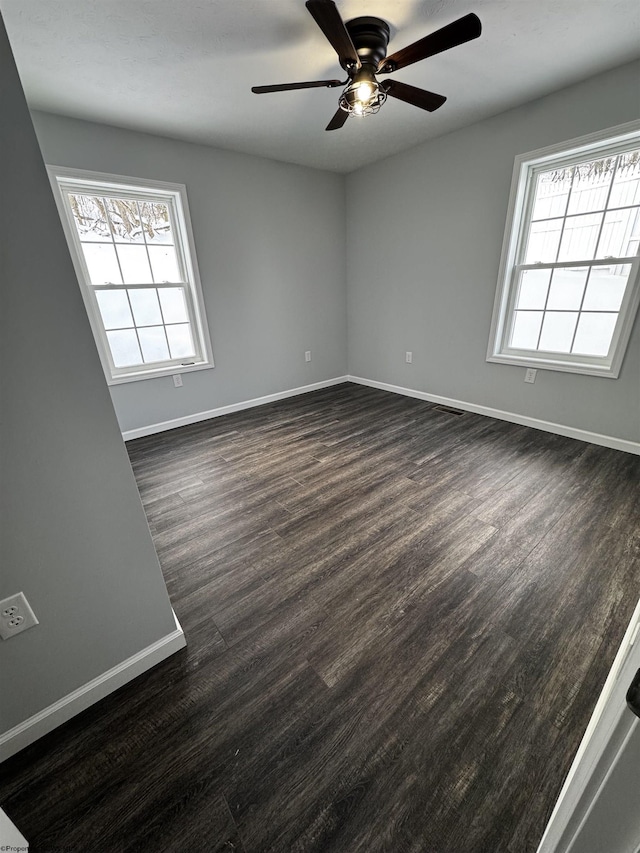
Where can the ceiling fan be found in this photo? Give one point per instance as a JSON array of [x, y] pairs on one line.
[[361, 45]]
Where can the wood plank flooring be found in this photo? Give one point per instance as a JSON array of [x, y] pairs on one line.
[[398, 624]]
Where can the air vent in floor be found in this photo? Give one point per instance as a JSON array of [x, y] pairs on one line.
[[448, 410]]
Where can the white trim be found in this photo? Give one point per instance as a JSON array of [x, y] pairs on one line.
[[524, 420], [61, 178], [606, 733], [512, 417], [613, 138], [64, 709], [159, 372], [128, 183], [195, 418]]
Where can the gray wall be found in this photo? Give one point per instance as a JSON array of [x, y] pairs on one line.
[[423, 266], [272, 251], [74, 536], [270, 245]]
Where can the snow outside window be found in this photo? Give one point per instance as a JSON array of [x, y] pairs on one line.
[[568, 288], [133, 251]]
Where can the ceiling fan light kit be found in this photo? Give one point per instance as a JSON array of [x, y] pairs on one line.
[[363, 95], [361, 45]]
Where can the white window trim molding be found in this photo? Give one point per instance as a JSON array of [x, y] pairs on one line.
[[515, 223], [130, 184]]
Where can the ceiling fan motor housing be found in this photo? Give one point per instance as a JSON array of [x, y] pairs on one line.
[[370, 37]]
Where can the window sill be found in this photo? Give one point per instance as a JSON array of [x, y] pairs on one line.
[[606, 370], [156, 373]]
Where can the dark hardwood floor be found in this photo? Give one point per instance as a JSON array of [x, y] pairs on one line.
[[398, 620]]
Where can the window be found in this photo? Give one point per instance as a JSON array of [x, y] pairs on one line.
[[133, 251], [568, 286]]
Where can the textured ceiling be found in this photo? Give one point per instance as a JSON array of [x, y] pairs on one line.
[[184, 68]]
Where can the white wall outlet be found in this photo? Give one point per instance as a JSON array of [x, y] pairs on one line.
[[307, 355], [16, 616], [530, 375], [177, 380], [408, 357]]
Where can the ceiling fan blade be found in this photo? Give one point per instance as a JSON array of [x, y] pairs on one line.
[[338, 120], [286, 87], [327, 17], [412, 95], [458, 32]]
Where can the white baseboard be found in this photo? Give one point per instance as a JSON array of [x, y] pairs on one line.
[[139, 432], [50, 718], [512, 417]]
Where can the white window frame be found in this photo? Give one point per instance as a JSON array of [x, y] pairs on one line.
[[526, 166], [63, 180]]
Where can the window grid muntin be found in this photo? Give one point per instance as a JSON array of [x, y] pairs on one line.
[[580, 309], [176, 361], [145, 242], [151, 197], [569, 359], [512, 311], [173, 223], [588, 212], [532, 187], [533, 170], [164, 324]]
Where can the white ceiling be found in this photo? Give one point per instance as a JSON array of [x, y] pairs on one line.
[[184, 68]]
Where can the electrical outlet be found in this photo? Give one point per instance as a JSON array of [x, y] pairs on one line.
[[177, 380], [307, 355], [408, 357], [16, 615], [530, 375]]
